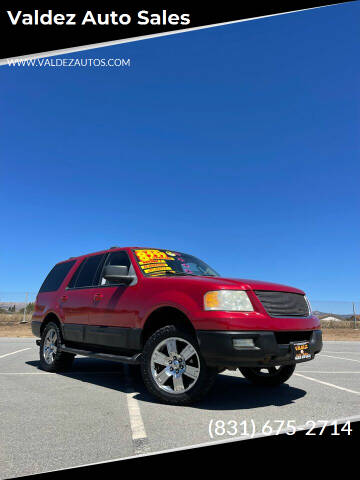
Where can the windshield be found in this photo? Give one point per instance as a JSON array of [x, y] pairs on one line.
[[156, 263]]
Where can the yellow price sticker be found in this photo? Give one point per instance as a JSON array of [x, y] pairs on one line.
[[146, 256]]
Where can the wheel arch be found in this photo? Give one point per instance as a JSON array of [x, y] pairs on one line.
[[163, 316], [50, 317]]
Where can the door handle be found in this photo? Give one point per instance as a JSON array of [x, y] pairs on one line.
[[98, 296], [64, 298]]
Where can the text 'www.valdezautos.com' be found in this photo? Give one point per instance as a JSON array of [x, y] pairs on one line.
[[69, 62]]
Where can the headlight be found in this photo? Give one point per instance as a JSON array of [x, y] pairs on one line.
[[228, 300]]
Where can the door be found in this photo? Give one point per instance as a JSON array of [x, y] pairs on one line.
[[77, 298], [113, 310]]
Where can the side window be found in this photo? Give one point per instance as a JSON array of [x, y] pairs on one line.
[[117, 258], [96, 279], [73, 279], [56, 276], [88, 271]]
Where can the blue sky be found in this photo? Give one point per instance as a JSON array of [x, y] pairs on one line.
[[238, 144]]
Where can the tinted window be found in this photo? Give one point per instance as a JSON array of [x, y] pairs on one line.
[[96, 279], [88, 271], [117, 258], [72, 282], [56, 276]]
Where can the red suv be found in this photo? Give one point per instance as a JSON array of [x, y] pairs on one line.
[[176, 317]]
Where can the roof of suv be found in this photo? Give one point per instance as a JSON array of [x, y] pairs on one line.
[[111, 249]]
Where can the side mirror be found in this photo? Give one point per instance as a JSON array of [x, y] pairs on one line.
[[117, 274]]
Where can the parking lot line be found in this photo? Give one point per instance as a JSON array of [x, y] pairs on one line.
[[139, 436], [27, 373], [326, 383], [13, 353], [68, 374], [340, 358], [352, 353], [329, 371], [137, 425]]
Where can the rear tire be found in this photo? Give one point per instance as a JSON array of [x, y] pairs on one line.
[[275, 376], [52, 359], [173, 369]]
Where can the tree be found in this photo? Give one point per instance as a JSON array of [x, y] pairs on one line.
[[30, 307]]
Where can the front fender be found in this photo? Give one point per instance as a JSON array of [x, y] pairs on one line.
[[170, 298]]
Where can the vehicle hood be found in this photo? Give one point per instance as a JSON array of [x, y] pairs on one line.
[[239, 283], [262, 285]]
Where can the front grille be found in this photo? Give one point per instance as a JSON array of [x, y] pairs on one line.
[[283, 304], [287, 337]]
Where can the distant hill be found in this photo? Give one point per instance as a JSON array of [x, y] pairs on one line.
[[4, 306], [341, 317]]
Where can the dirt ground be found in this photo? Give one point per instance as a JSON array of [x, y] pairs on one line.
[[17, 330], [341, 334], [10, 326]]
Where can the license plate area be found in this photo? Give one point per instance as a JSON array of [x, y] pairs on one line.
[[301, 351]]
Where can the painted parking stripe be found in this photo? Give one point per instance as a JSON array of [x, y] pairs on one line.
[[327, 384], [340, 358], [13, 353], [27, 373], [68, 374], [138, 432], [137, 425], [329, 371], [349, 353]]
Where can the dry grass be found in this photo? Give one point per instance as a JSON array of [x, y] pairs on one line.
[[341, 331], [341, 334], [10, 325], [343, 325]]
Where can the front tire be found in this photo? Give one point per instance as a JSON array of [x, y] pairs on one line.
[[52, 359], [173, 369], [273, 376]]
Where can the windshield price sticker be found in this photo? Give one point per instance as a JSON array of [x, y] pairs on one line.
[[148, 256], [158, 268], [154, 262]]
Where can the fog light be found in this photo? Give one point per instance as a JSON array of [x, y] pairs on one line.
[[243, 343]]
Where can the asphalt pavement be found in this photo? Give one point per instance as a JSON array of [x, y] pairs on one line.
[[101, 411]]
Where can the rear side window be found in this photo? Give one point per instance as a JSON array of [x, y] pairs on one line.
[[72, 282], [56, 276], [87, 272]]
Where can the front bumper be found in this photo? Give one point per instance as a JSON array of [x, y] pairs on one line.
[[217, 348]]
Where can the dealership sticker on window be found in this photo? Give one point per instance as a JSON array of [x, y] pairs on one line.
[[154, 262], [148, 256], [158, 269]]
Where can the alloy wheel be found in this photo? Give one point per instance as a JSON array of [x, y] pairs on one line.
[[175, 365], [50, 346]]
